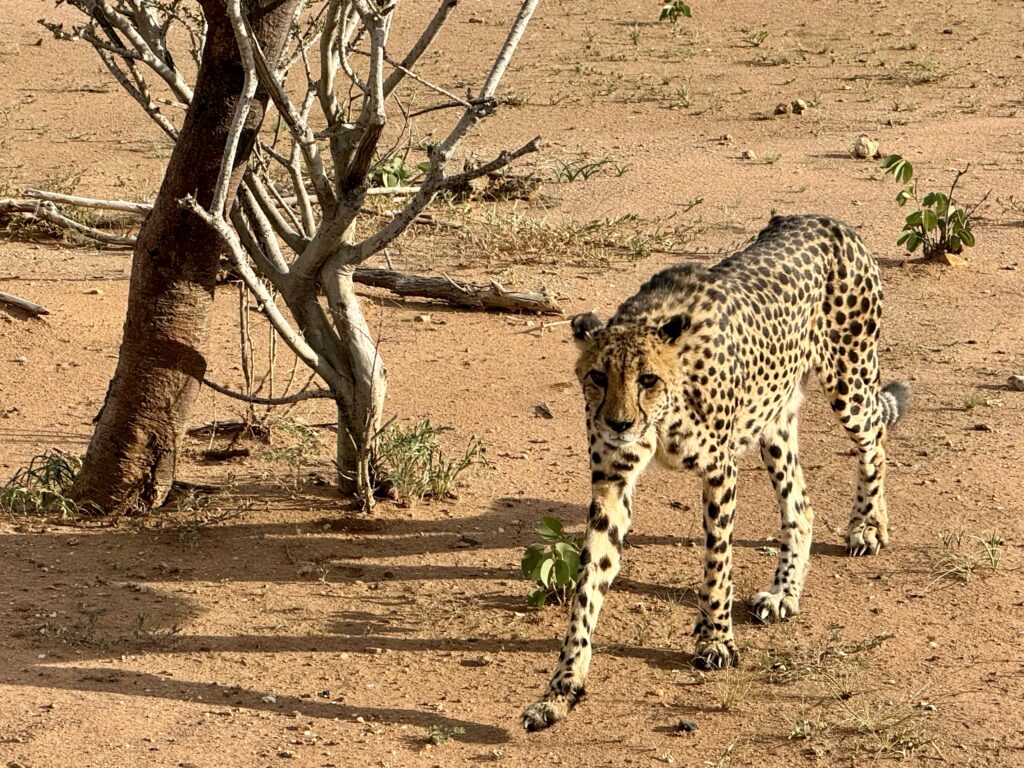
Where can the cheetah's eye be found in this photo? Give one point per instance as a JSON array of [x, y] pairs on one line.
[[599, 377], [648, 380]]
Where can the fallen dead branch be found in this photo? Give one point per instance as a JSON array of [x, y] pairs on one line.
[[493, 296], [44, 210], [23, 304]]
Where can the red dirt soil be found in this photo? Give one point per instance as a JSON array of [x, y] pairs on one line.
[[299, 631]]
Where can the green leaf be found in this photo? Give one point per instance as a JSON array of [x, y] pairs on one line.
[[906, 172], [536, 598], [914, 219], [967, 237], [907, 233], [954, 244], [929, 220], [532, 558], [914, 242], [550, 529], [903, 197], [572, 559], [564, 549], [562, 574], [891, 163], [545, 571]]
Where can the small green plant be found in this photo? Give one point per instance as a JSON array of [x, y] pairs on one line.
[[973, 399], [439, 734], [583, 167], [937, 224], [956, 559], [634, 34], [42, 486], [553, 565], [808, 729], [754, 39], [418, 468], [391, 173], [673, 10]]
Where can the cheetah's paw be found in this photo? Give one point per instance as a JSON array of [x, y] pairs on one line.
[[545, 713], [715, 654], [769, 608], [865, 539]]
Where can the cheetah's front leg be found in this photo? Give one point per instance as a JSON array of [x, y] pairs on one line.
[[715, 645], [613, 478]]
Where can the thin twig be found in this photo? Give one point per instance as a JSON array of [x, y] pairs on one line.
[[309, 394]]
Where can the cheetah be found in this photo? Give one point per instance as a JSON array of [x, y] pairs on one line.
[[698, 365]]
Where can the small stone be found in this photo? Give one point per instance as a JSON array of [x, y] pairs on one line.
[[748, 154], [271, 699], [543, 410], [783, 109], [94, 292], [475, 20], [286, 753], [20, 359], [865, 148], [980, 427], [799, 106], [950, 260], [686, 726], [947, 31], [1016, 382], [422, 319]]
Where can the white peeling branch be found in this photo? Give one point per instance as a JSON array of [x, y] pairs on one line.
[[298, 128], [419, 47], [268, 307], [245, 99], [126, 27], [329, 61], [443, 152]]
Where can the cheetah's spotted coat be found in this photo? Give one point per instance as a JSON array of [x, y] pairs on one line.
[[696, 366]]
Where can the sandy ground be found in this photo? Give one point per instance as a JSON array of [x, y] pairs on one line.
[[297, 631]]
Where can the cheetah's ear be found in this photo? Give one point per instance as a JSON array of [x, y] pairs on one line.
[[585, 326], [673, 328]]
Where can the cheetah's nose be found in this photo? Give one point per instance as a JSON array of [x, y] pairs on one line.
[[619, 426]]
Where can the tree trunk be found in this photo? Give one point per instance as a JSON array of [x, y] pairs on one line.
[[360, 410], [132, 458]]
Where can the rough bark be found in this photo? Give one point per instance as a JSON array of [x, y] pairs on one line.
[[132, 458]]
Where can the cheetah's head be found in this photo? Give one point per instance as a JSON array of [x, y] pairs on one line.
[[627, 372]]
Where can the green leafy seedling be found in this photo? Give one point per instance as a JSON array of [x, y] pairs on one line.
[[937, 224], [673, 10], [553, 565]]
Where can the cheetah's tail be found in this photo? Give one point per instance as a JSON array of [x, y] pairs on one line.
[[894, 401]]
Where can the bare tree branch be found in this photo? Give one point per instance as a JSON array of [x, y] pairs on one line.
[[47, 211], [245, 99], [420, 46], [23, 304], [309, 394], [125, 206], [290, 336], [434, 184]]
